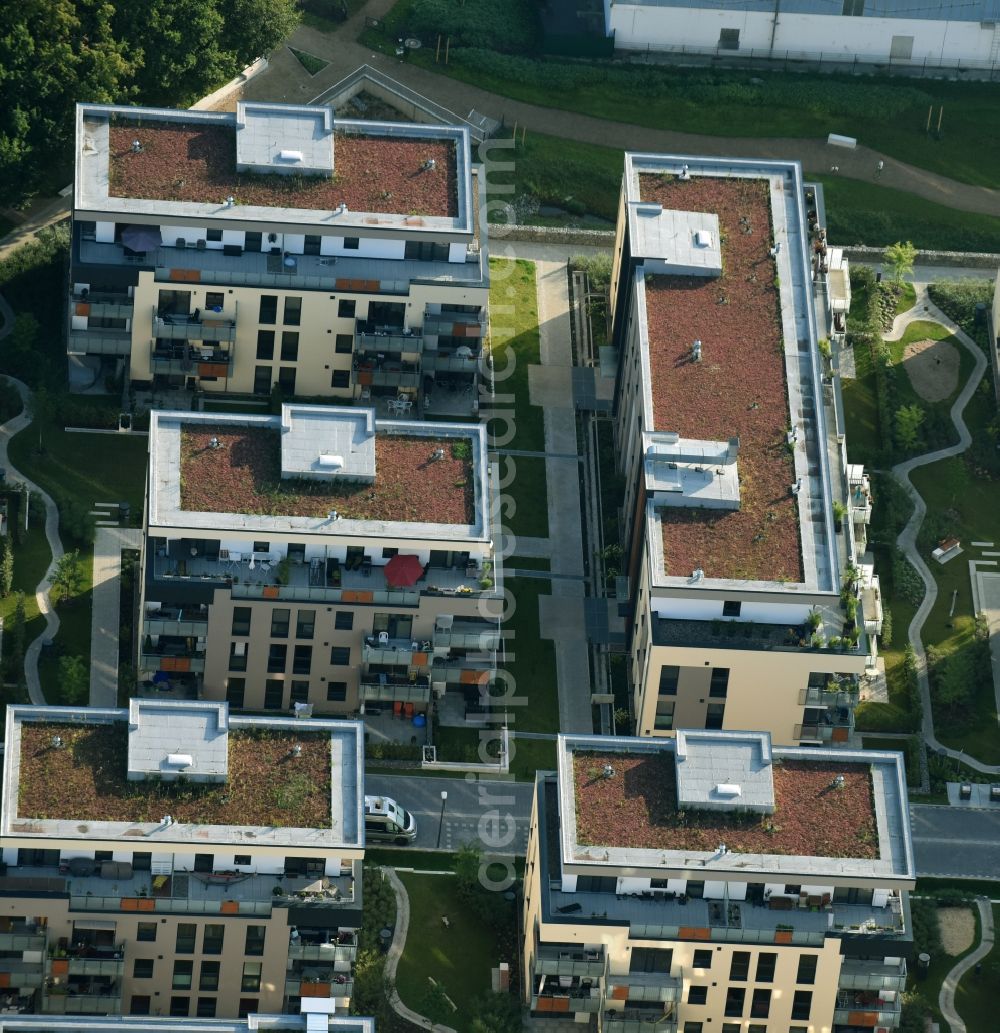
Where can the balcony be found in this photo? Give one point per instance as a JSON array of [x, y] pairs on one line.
[[24, 975], [452, 362], [101, 306], [22, 937], [561, 995], [388, 688], [99, 341], [185, 360], [471, 325], [325, 953], [385, 373], [569, 961], [865, 1009], [191, 623], [82, 1004], [866, 975], [185, 328], [192, 662], [871, 605], [63, 963], [464, 670], [633, 1020], [333, 986], [644, 986], [475, 635], [387, 340], [835, 693]]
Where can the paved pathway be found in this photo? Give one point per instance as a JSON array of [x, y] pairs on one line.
[[105, 618], [562, 482], [395, 952], [43, 213], [7, 431], [946, 999], [535, 548], [286, 80], [925, 310]]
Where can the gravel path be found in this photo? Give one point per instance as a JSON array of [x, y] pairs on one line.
[[946, 999]]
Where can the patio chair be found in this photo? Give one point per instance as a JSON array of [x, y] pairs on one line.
[[397, 709], [408, 711]]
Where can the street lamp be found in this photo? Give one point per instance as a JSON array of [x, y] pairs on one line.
[[444, 800]]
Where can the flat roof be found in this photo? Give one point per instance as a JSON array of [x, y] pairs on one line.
[[163, 1024], [753, 374], [331, 470], [292, 164], [673, 804], [290, 782]]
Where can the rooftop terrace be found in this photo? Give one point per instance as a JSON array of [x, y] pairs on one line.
[[737, 389]]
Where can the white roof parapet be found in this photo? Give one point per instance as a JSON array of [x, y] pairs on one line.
[[720, 772], [687, 472], [170, 738], [314, 436], [675, 242], [284, 138]]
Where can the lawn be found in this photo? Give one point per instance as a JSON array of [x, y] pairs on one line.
[[528, 492], [528, 563], [861, 408], [533, 667], [459, 955], [312, 64]]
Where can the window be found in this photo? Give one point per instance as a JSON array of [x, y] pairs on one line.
[[293, 306], [185, 938], [344, 621], [274, 693], [901, 48], [300, 692], [731, 1027], [180, 1007], [425, 251], [697, 994], [340, 378], [268, 309], [265, 345], [345, 308], [756, 1027], [760, 1004], [792, 890], [596, 884], [209, 976], [802, 1005], [139, 1004], [104, 855], [236, 689], [289, 346], [262, 380], [251, 977], [142, 968], [735, 998], [669, 676], [729, 39], [305, 623], [241, 620], [664, 714], [714, 715], [703, 959], [807, 969], [243, 859], [693, 1027], [237, 656], [280, 619], [183, 973], [215, 235], [651, 959], [247, 1006], [286, 379], [254, 947], [731, 608], [336, 692], [352, 243], [719, 685], [142, 860], [302, 660], [212, 939], [252, 241], [204, 863], [344, 344], [277, 658], [310, 246], [205, 1009], [146, 932], [215, 300], [388, 553], [765, 967], [340, 656], [739, 967], [853, 895]]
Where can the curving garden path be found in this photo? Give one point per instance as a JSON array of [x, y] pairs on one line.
[[946, 998], [924, 310]]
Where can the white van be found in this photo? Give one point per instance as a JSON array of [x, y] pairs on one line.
[[387, 822]]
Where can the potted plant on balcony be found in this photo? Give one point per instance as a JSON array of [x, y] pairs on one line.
[[839, 512], [282, 571], [814, 620]]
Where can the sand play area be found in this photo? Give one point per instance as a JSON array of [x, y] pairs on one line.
[[958, 929], [932, 367]]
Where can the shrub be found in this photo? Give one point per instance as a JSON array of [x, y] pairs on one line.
[[509, 26], [597, 267], [926, 927], [886, 636]]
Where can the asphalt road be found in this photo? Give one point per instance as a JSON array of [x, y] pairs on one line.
[[493, 814], [954, 842]]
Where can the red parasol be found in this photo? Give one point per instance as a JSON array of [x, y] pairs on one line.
[[401, 571]]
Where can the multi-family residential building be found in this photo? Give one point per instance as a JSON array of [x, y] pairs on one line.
[[321, 556], [277, 245], [316, 1016], [171, 859], [752, 601], [714, 882]]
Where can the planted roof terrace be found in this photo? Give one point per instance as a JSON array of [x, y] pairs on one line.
[[751, 378], [728, 801]]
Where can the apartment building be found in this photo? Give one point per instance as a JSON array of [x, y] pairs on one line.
[[315, 1017], [173, 860], [321, 557], [713, 881], [277, 245], [752, 601]]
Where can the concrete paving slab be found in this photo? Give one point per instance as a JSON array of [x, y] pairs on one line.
[[551, 386]]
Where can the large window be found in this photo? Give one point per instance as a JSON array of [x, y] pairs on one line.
[[237, 656], [344, 344], [739, 967], [186, 934], [760, 1004], [715, 714], [209, 976], [702, 959], [146, 932], [265, 345], [212, 940], [336, 692], [139, 1004], [345, 308], [340, 378], [277, 658], [274, 693], [280, 619], [302, 660], [289, 346], [305, 623], [735, 999], [268, 309], [180, 1007], [651, 959], [697, 994], [807, 969], [719, 685], [802, 1005], [205, 1008], [236, 690], [340, 656], [664, 720], [142, 968], [765, 967], [183, 973], [293, 306], [344, 620], [300, 692], [254, 947], [251, 977], [669, 676], [286, 379], [241, 620]]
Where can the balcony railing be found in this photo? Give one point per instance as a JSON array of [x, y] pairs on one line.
[[632, 1021], [567, 1001], [22, 974], [188, 628], [173, 905], [865, 975], [318, 988], [172, 662], [440, 362], [84, 966], [331, 953], [884, 1014], [82, 1004], [561, 961], [189, 361], [389, 692], [166, 329], [467, 637], [645, 986], [304, 593], [387, 340], [26, 941], [99, 341], [818, 696], [387, 377], [471, 325]]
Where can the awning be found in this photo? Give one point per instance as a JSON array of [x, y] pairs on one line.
[[94, 924]]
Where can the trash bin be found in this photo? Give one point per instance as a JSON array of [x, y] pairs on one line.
[[124, 512]]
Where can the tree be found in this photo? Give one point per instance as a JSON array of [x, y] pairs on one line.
[[69, 576], [908, 420], [900, 257], [496, 1013], [253, 28], [436, 1005], [6, 566], [74, 681]]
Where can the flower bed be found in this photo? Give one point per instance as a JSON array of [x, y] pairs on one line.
[[198, 164], [637, 807], [738, 389], [86, 780], [244, 476]]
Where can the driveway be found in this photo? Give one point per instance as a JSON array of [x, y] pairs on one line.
[[952, 842], [492, 814]]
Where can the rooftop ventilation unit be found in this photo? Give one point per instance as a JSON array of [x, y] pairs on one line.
[[214, 443], [230, 201], [429, 165], [797, 486], [697, 574], [334, 515], [136, 147], [685, 173], [295, 751], [57, 742], [729, 789], [180, 760], [289, 155], [696, 351], [609, 771], [702, 238], [437, 455], [328, 461], [776, 250]]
